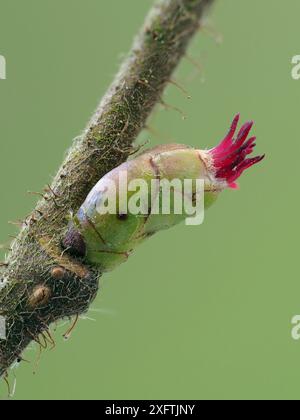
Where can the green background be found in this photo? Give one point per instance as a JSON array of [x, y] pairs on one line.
[[197, 312]]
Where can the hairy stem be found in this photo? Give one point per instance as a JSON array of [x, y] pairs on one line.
[[39, 284]]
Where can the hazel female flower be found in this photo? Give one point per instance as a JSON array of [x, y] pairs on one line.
[[107, 239]]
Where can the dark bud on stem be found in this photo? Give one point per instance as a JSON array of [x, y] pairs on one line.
[[74, 243]]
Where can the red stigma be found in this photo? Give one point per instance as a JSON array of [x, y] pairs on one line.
[[230, 156]]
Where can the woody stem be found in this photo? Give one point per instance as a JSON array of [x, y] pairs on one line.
[[30, 275]]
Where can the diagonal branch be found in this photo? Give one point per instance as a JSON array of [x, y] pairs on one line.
[[38, 283]]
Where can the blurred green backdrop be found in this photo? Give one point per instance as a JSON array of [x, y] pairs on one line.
[[196, 313]]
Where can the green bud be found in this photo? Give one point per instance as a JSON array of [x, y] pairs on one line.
[[128, 205]]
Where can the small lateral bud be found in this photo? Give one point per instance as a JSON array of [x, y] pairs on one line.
[[74, 243], [40, 296], [58, 273]]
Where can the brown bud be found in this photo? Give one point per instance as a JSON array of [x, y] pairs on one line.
[[58, 273], [40, 296]]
